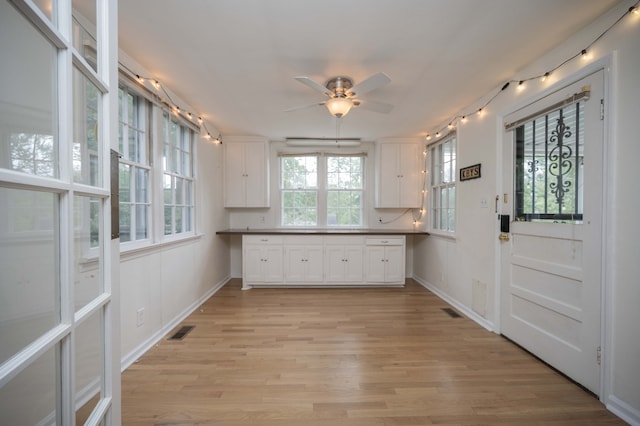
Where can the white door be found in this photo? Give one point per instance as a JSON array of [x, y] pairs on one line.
[[551, 267], [59, 315]]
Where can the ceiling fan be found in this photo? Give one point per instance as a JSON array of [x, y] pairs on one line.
[[343, 95]]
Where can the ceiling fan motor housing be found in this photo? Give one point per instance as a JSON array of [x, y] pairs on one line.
[[340, 86]]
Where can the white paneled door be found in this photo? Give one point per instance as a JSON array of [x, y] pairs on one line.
[[551, 257]]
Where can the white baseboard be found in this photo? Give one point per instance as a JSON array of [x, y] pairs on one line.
[[143, 347], [483, 322], [623, 410]]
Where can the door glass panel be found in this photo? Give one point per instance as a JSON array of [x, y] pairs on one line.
[[86, 144], [29, 284], [87, 263], [549, 166], [84, 30], [88, 356], [27, 98], [30, 398]]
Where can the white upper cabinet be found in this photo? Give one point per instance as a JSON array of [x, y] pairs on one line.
[[246, 172], [399, 174]]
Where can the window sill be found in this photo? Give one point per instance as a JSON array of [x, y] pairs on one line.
[[443, 235], [143, 250]]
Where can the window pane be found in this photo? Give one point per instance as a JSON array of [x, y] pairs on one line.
[[142, 186], [84, 29], [142, 221], [88, 365], [46, 7], [179, 191], [299, 172], [168, 220], [125, 183], [31, 397], [86, 149], [125, 222], [87, 263], [168, 189], [27, 97], [29, 285], [300, 208]]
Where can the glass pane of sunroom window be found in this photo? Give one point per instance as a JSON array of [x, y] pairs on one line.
[[27, 97]]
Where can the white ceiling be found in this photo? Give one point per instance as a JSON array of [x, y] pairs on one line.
[[234, 61]]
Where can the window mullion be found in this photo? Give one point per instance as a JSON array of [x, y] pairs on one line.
[[322, 191]]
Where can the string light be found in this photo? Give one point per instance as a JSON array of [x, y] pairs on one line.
[[172, 105], [584, 53]]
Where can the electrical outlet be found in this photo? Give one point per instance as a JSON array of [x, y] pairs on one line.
[[140, 317]]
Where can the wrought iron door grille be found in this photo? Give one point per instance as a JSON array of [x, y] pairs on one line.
[[549, 166]]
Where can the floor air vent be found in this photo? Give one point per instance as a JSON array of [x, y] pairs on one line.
[[452, 313], [183, 331]]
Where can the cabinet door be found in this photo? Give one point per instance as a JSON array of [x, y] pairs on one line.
[[335, 264], [375, 264], [410, 171], [272, 268], [294, 269], [353, 265], [394, 264], [234, 180], [253, 264], [388, 175], [314, 264], [255, 175]]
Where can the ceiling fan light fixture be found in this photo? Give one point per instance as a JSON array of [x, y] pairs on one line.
[[339, 106]]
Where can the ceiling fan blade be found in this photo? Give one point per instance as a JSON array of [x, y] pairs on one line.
[[381, 107], [315, 86], [372, 83], [304, 106]]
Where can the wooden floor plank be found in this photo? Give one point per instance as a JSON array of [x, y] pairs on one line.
[[352, 357]]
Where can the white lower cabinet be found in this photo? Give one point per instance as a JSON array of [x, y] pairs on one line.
[[344, 260], [329, 260], [384, 260], [261, 260], [303, 260]]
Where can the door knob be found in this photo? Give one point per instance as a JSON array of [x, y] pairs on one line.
[[504, 237]]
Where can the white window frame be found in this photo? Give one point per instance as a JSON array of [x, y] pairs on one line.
[[442, 181], [178, 176], [322, 189], [143, 110]]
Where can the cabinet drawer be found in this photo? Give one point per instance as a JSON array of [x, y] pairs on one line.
[[262, 239], [383, 241]]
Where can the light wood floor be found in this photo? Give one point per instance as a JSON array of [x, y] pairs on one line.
[[345, 357]]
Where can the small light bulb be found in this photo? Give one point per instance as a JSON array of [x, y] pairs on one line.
[[545, 76], [437, 134], [521, 85], [156, 84], [464, 118], [428, 137], [140, 79], [634, 10], [450, 126], [584, 53], [200, 120], [207, 136]]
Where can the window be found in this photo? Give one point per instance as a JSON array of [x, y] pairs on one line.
[[322, 189], [549, 166], [135, 201], [177, 180], [442, 164]]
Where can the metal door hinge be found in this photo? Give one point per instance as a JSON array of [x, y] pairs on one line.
[[601, 109], [599, 355]]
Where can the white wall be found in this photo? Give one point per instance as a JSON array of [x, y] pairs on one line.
[[169, 280], [438, 261]]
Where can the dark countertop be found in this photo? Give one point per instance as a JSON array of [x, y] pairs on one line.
[[314, 231]]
